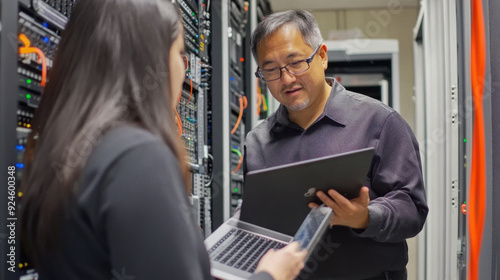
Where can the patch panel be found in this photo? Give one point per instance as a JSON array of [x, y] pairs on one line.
[[24, 116], [187, 9], [30, 83], [236, 137], [188, 24], [236, 47], [193, 4], [29, 98], [51, 12], [195, 202], [194, 72], [40, 37], [188, 117], [65, 7], [190, 35], [20, 148], [190, 46], [235, 81], [191, 107], [237, 187], [200, 190], [236, 12], [201, 127], [234, 161], [241, 4], [207, 209]]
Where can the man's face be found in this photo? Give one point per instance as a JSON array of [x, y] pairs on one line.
[[295, 92]]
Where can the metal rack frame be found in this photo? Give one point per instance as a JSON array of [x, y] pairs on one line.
[[8, 97]]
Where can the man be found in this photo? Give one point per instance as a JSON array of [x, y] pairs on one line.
[[319, 117]]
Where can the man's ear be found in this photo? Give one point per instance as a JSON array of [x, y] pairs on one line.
[[323, 53]]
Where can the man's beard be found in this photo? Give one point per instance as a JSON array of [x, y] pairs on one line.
[[300, 106]]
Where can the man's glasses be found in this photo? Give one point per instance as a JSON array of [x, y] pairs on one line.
[[293, 68]]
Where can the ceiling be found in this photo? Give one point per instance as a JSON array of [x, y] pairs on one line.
[[280, 5]]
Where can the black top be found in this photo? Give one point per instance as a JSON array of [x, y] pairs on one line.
[[131, 218], [398, 207]]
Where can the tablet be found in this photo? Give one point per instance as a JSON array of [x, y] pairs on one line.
[[313, 227], [277, 197]]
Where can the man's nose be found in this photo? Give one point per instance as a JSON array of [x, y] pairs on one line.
[[286, 77]]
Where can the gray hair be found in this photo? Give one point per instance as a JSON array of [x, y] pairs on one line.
[[303, 20]]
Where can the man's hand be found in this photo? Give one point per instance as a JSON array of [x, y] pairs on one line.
[[352, 213]]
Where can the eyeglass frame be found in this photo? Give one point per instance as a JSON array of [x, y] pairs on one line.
[[308, 60]]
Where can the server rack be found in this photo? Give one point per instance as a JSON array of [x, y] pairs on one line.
[[261, 103], [192, 107], [228, 100], [368, 66], [443, 121], [21, 83], [233, 99], [8, 64], [36, 24]]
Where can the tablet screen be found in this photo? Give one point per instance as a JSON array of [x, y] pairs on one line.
[[312, 223]]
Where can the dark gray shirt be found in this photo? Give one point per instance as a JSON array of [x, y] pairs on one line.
[[397, 209], [131, 218]]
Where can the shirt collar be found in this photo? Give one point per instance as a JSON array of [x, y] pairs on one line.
[[333, 107], [333, 110]]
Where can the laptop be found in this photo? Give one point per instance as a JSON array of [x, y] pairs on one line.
[[275, 208], [236, 247], [277, 198]]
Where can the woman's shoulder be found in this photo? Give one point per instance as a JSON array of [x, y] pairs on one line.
[[124, 137], [117, 141], [115, 145]]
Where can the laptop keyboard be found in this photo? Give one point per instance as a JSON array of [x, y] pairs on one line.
[[244, 250]]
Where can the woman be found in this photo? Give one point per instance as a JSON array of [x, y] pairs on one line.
[[103, 190]]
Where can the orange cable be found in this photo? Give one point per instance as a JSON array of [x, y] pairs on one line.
[[179, 122], [28, 49], [477, 194], [245, 102], [239, 165], [239, 116], [236, 151], [178, 118]]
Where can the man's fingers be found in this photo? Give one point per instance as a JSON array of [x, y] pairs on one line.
[[312, 205], [364, 197], [365, 194], [326, 199], [338, 198]]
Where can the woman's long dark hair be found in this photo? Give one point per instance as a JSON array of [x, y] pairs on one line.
[[112, 68]]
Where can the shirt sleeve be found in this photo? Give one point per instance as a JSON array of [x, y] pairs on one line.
[[398, 208], [148, 223]]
